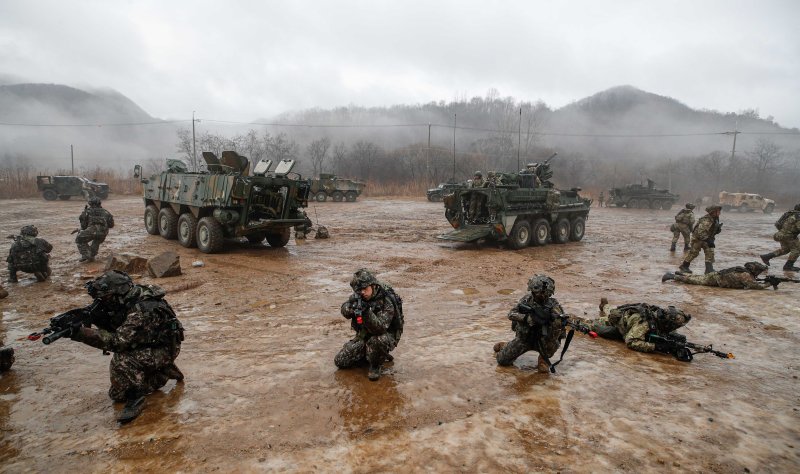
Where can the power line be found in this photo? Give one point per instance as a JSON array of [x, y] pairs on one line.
[[127, 124]]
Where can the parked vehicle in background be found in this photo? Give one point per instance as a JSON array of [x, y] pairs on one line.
[[641, 197], [64, 187], [202, 209], [330, 186], [745, 202], [436, 194]]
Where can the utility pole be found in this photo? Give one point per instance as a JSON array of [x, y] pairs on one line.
[[669, 175], [194, 146], [519, 136], [734, 133], [455, 121], [428, 153], [72, 159]]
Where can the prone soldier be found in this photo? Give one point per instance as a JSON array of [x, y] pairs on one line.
[[735, 277], [29, 254], [788, 229], [684, 221], [95, 222], [703, 238]]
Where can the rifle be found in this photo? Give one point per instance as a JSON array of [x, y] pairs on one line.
[[677, 345], [565, 320], [64, 324], [712, 240], [775, 280], [542, 320]]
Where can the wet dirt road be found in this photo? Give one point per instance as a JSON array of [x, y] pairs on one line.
[[262, 327]]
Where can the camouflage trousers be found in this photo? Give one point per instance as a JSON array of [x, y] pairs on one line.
[[709, 279], [96, 235], [681, 229], [374, 350], [694, 251], [520, 345], [635, 336], [475, 203], [790, 246], [143, 371]]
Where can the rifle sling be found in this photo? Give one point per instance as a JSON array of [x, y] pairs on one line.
[[552, 366]]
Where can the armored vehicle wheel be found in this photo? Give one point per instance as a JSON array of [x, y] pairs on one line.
[[187, 230], [520, 236], [655, 204], [726, 208], [50, 195], [256, 238], [210, 237], [561, 231], [151, 219], [632, 204], [578, 228], [168, 223], [351, 196], [337, 196], [744, 207], [64, 198], [769, 209], [321, 196], [279, 238], [666, 205], [541, 232]]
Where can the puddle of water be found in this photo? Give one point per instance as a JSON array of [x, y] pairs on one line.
[[465, 291], [506, 291]]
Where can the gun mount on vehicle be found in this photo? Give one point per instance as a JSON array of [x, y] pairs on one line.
[[642, 197], [524, 209], [338, 189], [203, 208]]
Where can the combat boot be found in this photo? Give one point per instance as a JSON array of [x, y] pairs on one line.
[[12, 277], [541, 366], [667, 276], [789, 266], [672, 247], [499, 346], [374, 372], [685, 247], [133, 408], [709, 268], [684, 268], [767, 257], [173, 372]]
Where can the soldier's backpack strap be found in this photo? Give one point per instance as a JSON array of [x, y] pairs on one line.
[[646, 311]]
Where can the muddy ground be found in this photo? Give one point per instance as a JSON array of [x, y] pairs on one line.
[[262, 327]]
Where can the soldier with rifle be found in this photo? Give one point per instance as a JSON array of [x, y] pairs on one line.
[[648, 328], [137, 325], [788, 229], [95, 222], [30, 254], [684, 221], [742, 278], [703, 238], [539, 325]]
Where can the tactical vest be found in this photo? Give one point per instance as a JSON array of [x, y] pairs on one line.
[[737, 269], [96, 216], [779, 223], [683, 217], [26, 252], [655, 316]]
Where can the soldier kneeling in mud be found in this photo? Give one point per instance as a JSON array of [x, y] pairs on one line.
[[29, 254], [741, 278], [635, 323], [538, 327], [375, 312], [137, 324]]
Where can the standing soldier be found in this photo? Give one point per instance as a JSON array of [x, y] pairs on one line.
[[684, 221], [95, 222], [137, 324], [602, 199], [703, 237], [476, 199], [539, 327], [29, 254], [735, 277], [375, 312], [788, 229]]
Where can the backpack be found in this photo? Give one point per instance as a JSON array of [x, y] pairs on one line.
[[728, 271], [656, 316], [779, 223], [396, 327]]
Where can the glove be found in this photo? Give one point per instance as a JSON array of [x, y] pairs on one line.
[[663, 346], [719, 228], [711, 243]]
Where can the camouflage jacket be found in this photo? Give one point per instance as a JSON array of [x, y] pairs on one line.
[[633, 327], [381, 314], [530, 327], [96, 216], [145, 321], [28, 250], [738, 277], [477, 183], [790, 228], [706, 228], [686, 217]]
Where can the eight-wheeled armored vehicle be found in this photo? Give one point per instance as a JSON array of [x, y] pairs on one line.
[[64, 187], [519, 211], [335, 188], [642, 197], [203, 208]]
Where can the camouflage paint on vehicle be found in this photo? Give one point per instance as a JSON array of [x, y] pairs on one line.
[[641, 197], [329, 186], [745, 202]]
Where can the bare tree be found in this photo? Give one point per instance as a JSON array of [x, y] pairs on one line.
[[765, 158], [317, 151]]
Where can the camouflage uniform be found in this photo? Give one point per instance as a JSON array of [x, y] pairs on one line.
[[300, 231], [787, 237], [602, 199], [703, 238], [29, 254], [378, 324], [95, 222], [138, 325], [735, 277], [6, 357], [540, 332], [684, 221], [476, 199], [493, 179], [633, 322]]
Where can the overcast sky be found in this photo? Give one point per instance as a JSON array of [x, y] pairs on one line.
[[242, 60]]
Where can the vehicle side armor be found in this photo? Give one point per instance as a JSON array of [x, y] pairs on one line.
[[64, 187], [642, 197], [745, 202], [335, 188]]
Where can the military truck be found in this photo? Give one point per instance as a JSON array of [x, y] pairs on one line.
[[521, 211], [642, 197], [745, 202], [202, 209], [339, 189], [436, 194], [64, 187]]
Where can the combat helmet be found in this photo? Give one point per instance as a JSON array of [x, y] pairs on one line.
[[362, 279], [671, 319], [713, 208], [542, 285], [478, 174], [755, 268], [95, 201], [113, 283], [690, 206], [797, 207], [30, 230]]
